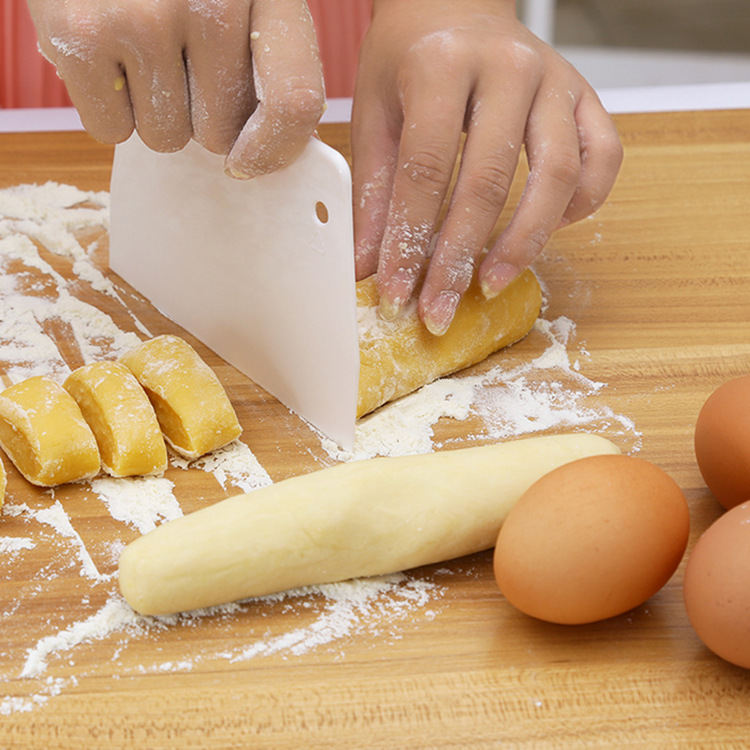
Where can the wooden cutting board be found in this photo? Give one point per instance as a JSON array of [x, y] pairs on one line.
[[649, 300]]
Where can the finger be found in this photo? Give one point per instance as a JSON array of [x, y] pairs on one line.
[[430, 141], [374, 151], [493, 142], [601, 157], [222, 95], [554, 172], [71, 39], [289, 87], [157, 86], [98, 90]]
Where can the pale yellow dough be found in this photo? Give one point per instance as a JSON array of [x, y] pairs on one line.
[[400, 356], [44, 434], [356, 519], [193, 409], [121, 417]]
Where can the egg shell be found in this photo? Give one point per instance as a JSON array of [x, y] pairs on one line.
[[717, 586], [592, 539], [722, 442]]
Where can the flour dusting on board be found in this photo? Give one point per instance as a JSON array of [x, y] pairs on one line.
[[45, 328], [140, 502], [234, 465]]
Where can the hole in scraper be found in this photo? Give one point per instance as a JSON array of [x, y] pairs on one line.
[[321, 211]]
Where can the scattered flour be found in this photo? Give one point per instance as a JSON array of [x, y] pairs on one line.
[[233, 464], [548, 392], [49, 688], [114, 616], [45, 328], [351, 606], [57, 518], [10, 544], [140, 502], [404, 427]]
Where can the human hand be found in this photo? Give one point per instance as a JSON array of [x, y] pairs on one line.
[[241, 77], [430, 69]]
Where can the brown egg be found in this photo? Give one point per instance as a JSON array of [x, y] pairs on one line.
[[717, 586], [722, 442], [592, 539]]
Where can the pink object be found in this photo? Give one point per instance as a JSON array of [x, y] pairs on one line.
[[341, 25], [28, 80]]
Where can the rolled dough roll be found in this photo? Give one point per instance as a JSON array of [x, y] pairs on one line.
[[45, 435], [400, 356], [356, 519], [121, 417], [193, 409]]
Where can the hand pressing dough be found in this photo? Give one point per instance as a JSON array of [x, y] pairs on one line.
[[400, 356], [121, 417], [356, 519], [45, 435], [193, 409]]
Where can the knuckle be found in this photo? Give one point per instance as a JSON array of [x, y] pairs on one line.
[[606, 150], [106, 130], [215, 140], [444, 51], [298, 105], [564, 168], [217, 16], [536, 239], [487, 186], [429, 170], [522, 57], [457, 269], [157, 139], [215, 134]]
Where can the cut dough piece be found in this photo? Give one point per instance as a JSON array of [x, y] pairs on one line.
[[397, 357], [355, 519], [121, 417], [45, 435], [193, 409]]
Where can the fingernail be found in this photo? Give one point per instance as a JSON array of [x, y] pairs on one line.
[[396, 294], [497, 278], [440, 314], [231, 171]]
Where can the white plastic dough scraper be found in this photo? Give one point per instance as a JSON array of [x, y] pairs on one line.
[[261, 271]]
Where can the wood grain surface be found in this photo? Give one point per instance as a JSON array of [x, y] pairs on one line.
[[657, 285]]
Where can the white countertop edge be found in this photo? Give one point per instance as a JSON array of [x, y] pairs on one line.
[[47, 119], [617, 100], [682, 98]]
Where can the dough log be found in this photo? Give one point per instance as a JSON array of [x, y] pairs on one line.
[[399, 357], [121, 418], [356, 519], [193, 409], [45, 435]]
